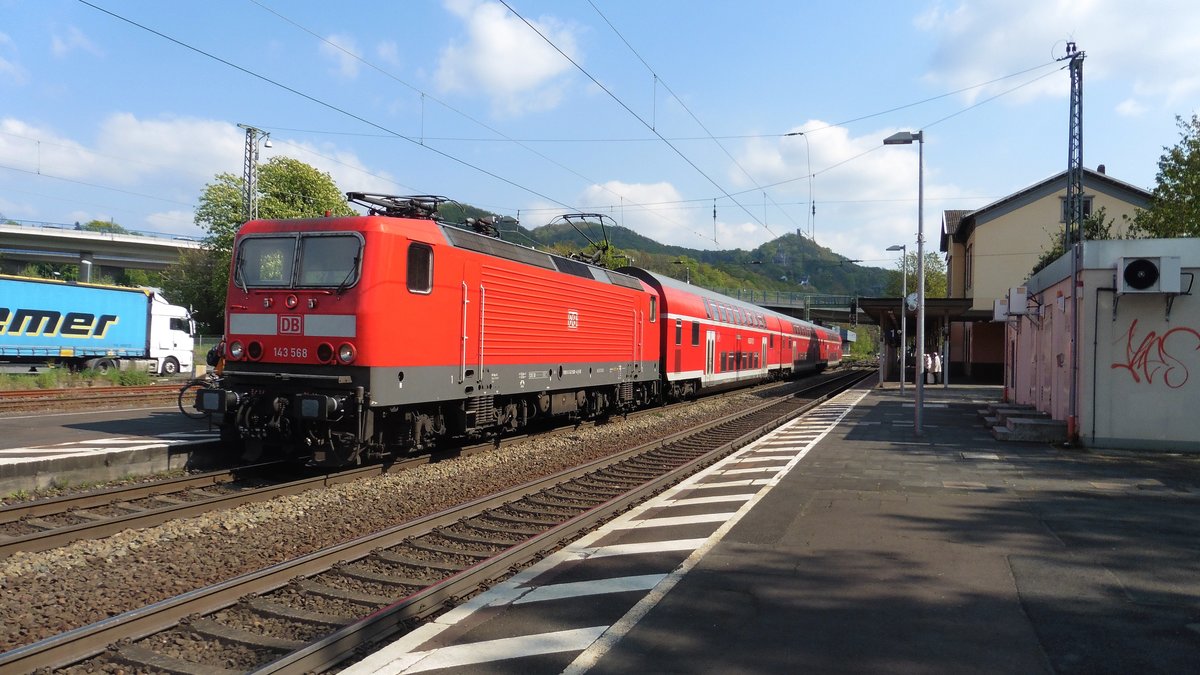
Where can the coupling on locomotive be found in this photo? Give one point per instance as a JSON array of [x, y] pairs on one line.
[[350, 339]]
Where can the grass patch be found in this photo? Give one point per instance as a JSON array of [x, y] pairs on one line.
[[63, 378]]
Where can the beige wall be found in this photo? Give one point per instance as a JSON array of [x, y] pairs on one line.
[[1012, 243]]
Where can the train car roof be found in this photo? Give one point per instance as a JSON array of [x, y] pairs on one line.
[[471, 241], [671, 285]]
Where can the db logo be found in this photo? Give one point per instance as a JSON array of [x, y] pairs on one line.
[[572, 319], [291, 325]]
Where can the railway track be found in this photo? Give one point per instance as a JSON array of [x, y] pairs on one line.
[[47, 524], [77, 397], [306, 614]]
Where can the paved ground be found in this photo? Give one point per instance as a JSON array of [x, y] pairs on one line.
[[847, 544], [952, 553]]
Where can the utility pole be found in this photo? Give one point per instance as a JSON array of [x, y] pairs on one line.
[[1073, 228], [250, 169]]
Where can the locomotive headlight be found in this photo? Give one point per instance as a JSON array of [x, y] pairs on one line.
[[291, 301], [346, 352], [237, 350]]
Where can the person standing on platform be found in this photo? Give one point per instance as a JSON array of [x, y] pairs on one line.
[[937, 368], [928, 367]]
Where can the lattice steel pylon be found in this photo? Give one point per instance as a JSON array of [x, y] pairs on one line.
[[250, 170], [1073, 232], [1073, 229]]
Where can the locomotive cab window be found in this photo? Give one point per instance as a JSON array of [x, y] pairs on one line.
[[265, 261], [653, 309], [329, 260], [420, 268]]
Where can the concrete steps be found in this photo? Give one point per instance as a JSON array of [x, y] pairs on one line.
[[1023, 423]]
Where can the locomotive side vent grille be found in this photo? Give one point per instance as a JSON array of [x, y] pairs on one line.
[[483, 410]]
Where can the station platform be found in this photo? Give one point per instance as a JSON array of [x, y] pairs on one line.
[[847, 544]]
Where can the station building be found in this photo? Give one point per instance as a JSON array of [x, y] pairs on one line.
[[994, 248]]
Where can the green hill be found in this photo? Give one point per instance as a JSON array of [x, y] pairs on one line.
[[788, 263]]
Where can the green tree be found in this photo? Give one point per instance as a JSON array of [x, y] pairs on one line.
[[935, 276], [1096, 226], [103, 226], [1175, 202], [287, 188]]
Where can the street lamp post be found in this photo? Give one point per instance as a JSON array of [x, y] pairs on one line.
[[906, 138], [903, 248]]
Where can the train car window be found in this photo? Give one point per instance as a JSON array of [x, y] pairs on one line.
[[653, 309], [265, 261], [420, 268], [708, 312], [695, 333], [678, 332], [329, 260], [771, 341]]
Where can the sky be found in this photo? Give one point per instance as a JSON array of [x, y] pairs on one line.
[[671, 116]]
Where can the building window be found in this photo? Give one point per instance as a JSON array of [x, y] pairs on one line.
[[1087, 208], [967, 283]]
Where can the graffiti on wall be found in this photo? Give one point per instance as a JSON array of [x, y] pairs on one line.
[[1160, 357]]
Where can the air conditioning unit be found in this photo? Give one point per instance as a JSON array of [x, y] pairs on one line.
[[1149, 274], [1017, 301], [999, 310]]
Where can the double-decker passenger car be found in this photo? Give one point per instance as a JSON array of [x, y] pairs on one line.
[[711, 341]]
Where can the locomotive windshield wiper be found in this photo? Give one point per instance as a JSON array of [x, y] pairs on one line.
[[238, 276], [342, 286]]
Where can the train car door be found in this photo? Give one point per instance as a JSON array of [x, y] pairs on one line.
[[710, 349]]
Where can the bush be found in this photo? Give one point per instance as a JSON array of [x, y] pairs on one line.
[[133, 378]]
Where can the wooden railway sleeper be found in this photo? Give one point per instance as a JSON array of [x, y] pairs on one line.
[[149, 660], [563, 504], [332, 592], [402, 584], [215, 630], [519, 518], [399, 559], [279, 611], [463, 538], [445, 550]]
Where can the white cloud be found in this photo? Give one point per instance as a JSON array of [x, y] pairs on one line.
[[192, 150], [74, 39], [1149, 47], [173, 222], [10, 70], [388, 52], [1130, 107], [344, 53], [506, 60], [347, 170], [654, 210]]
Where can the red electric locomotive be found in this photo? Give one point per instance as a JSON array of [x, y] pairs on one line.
[[352, 338], [711, 341]]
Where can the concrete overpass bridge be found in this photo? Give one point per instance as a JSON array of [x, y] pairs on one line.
[[104, 252]]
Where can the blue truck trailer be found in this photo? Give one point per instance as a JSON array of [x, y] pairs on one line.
[[46, 323]]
